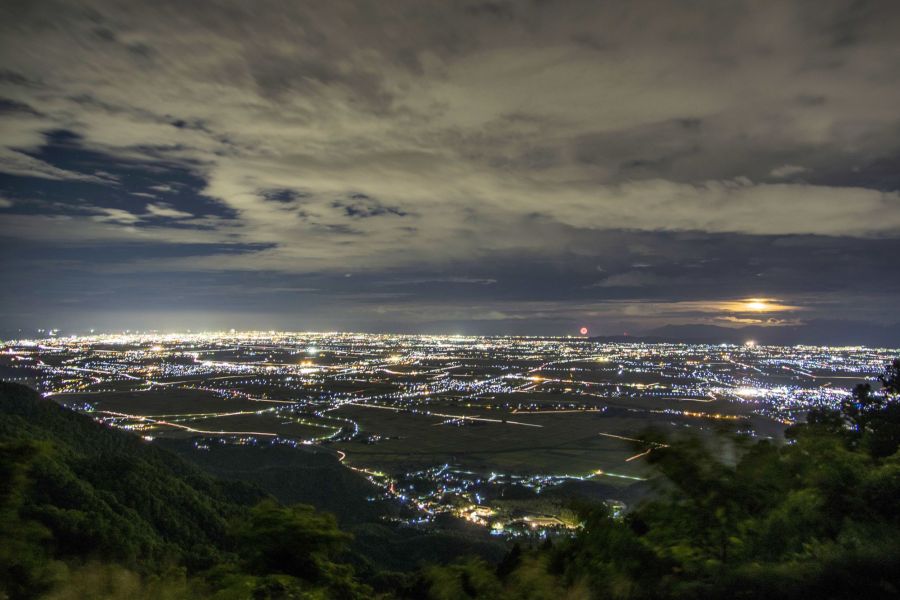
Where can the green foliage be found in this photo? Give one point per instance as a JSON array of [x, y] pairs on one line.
[[781, 521], [100, 581], [869, 418], [106, 495], [818, 517], [297, 542], [470, 579], [293, 540], [24, 561], [86, 511]]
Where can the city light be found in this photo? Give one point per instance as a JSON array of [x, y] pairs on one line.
[[472, 401]]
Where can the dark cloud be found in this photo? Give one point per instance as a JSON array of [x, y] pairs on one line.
[[360, 206], [283, 195], [12, 106]]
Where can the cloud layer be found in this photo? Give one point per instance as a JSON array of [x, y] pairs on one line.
[[455, 141]]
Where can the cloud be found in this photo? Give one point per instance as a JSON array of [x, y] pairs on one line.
[[161, 209], [787, 170], [429, 138], [360, 206], [632, 279], [106, 225], [736, 206], [452, 280], [115, 216], [18, 163]]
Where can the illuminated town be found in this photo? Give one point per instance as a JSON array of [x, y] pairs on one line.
[[483, 428]]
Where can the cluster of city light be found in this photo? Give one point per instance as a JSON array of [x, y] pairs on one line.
[[309, 388]]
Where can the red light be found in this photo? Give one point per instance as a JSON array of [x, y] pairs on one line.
[[584, 330]]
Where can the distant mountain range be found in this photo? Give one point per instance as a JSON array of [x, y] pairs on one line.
[[818, 333]]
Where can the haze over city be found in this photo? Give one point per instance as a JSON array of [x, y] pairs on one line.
[[452, 167]]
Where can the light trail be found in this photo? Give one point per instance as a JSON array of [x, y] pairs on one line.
[[208, 415], [443, 415], [621, 437], [653, 445], [114, 373], [644, 453], [517, 411], [185, 427], [619, 475]]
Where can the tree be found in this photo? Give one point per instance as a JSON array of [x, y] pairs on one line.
[[868, 419], [295, 540], [874, 415], [890, 379], [25, 568]]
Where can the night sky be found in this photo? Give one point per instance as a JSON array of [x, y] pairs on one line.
[[458, 167]]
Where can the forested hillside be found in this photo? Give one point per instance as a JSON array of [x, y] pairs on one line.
[[84, 506]]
